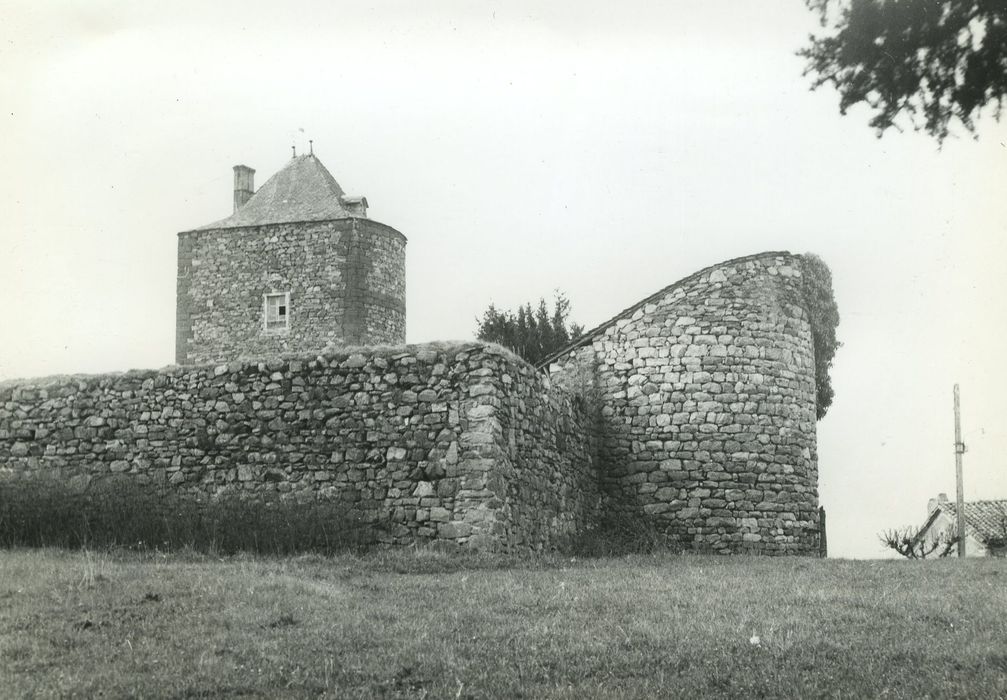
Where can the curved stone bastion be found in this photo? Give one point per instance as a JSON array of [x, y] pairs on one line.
[[706, 395]]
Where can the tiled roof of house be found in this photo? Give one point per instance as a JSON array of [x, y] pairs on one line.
[[983, 519], [302, 191]]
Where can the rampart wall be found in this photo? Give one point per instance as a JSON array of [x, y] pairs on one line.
[[462, 443], [693, 410], [707, 398]]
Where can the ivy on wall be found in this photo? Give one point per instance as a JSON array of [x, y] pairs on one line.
[[820, 304]]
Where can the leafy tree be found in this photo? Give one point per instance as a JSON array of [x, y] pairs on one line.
[[534, 333], [907, 542], [933, 60], [824, 316]]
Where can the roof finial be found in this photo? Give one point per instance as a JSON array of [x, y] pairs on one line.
[[311, 147], [294, 149]]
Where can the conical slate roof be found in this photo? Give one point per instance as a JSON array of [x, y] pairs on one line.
[[302, 191]]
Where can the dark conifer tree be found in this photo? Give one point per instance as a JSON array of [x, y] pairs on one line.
[[534, 333]]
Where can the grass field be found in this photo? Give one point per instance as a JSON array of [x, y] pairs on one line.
[[421, 624]]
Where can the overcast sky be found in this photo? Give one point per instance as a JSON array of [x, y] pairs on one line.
[[605, 150]]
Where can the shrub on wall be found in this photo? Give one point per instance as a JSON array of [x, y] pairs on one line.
[[820, 303]]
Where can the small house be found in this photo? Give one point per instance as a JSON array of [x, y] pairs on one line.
[[985, 525]]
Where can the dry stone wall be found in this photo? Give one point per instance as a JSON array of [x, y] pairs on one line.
[[346, 279], [536, 446], [693, 410], [408, 439], [706, 393]]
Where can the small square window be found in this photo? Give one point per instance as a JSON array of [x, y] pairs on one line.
[[276, 311]]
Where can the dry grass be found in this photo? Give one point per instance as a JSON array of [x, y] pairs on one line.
[[423, 624], [49, 511]]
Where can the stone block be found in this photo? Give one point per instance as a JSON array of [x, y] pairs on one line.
[[439, 514]]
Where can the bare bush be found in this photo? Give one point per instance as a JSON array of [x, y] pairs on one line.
[[909, 542]]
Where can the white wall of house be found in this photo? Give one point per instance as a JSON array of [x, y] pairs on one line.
[[973, 547]]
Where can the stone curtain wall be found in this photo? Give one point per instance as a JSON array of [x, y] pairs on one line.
[[406, 438], [537, 450], [707, 396], [346, 280]]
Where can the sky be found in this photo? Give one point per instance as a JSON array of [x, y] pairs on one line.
[[522, 147]]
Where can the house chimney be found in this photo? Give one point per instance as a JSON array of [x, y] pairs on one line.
[[933, 502], [244, 185]]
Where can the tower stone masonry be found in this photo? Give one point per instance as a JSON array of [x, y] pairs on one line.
[[298, 267], [705, 397]]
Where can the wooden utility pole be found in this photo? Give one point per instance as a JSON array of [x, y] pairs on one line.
[[960, 488]]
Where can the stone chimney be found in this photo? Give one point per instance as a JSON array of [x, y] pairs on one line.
[[355, 206], [933, 502], [244, 185]]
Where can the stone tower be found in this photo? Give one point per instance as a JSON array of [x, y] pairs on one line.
[[298, 267], [706, 395]]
